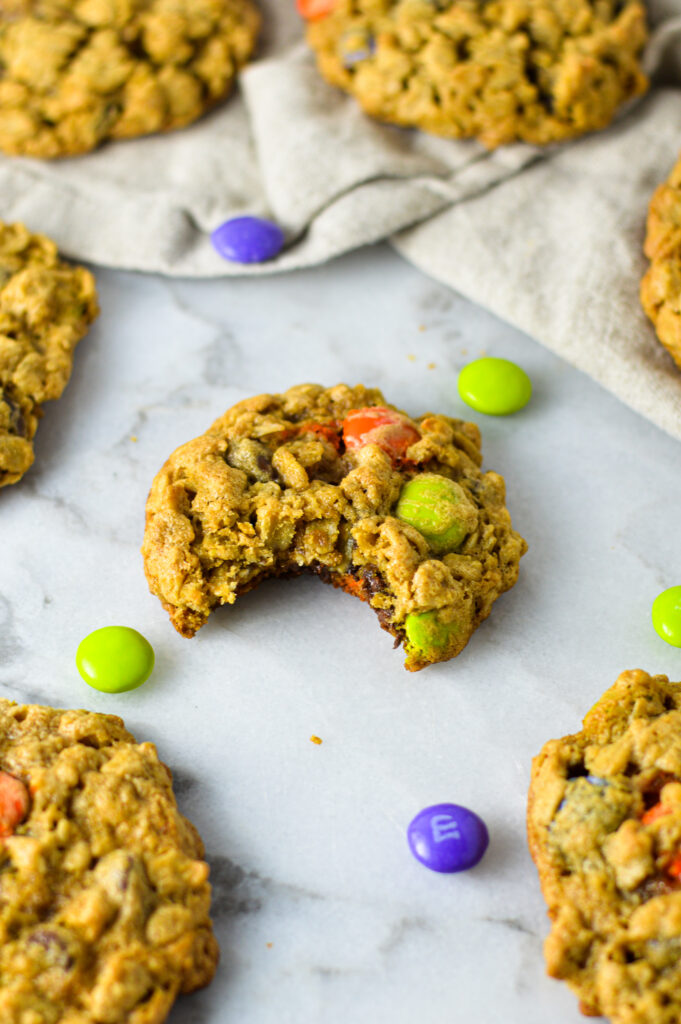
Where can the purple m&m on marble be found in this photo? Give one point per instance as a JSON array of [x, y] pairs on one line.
[[248, 240], [448, 838]]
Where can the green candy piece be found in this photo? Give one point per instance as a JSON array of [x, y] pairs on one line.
[[494, 386], [115, 659], [438, 508], [666, 613], [428, 633]]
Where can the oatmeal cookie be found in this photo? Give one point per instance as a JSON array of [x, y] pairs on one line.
[[76, 72], [604, 828], [333, 481], [661, 286], [534, 70], [104, 897], [46, 306]]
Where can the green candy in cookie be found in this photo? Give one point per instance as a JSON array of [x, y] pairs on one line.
[[429, 634], [439, 509]]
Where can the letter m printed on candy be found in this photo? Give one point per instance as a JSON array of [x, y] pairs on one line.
[[444, 826]]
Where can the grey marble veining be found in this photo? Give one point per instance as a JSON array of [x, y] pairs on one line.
[[307, 843]]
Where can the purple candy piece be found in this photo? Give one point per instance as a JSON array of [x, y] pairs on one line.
[[448, 838], [248, 240], [353, 57]]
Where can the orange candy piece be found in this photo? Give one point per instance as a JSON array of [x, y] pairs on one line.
[[655, 812], [390, 430], [14, 803], [353, 586], [312, 10], [327, 431], [658, 810]]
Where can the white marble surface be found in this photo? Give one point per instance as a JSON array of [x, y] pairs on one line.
[[307, 842]]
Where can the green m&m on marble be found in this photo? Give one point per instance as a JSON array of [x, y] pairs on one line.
[[438, 508], [666, 614], [115, 659], [494, 386]]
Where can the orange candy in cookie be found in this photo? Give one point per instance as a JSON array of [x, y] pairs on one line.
[[313, 10], [14, 802], [391, 431], [658, 810], [326, 431]]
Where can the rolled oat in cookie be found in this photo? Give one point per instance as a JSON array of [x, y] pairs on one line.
[[104, 894], [74, 73], [532, 70], [46, 307], [604, 829], [335, 481]]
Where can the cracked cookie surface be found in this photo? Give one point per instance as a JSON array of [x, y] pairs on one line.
[[104, 897], [604, 828], [532, 70], [46, 307], [312, 480], [661, 286], [76, 72]]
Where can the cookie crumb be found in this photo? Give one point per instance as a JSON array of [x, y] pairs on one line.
[[316, 739], [269, 944]]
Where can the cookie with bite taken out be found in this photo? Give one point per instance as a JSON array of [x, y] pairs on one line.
[[336, 482]]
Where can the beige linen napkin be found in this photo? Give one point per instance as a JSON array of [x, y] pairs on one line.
[[548, 239], [560, 245]]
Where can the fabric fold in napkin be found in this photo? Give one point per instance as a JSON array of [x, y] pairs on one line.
[[549, 239]]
